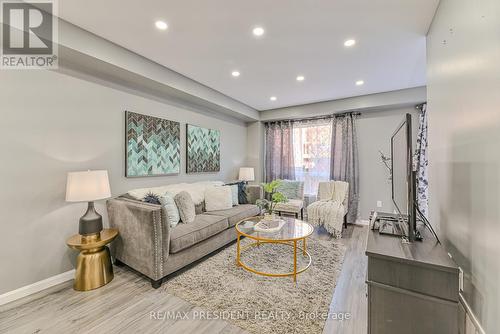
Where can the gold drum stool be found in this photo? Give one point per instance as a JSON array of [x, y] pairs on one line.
[[93, 265], [293, 233]]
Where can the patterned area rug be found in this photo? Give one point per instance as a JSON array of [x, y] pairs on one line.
[[261, 304]]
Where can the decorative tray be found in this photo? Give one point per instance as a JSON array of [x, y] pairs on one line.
[[269, 226]]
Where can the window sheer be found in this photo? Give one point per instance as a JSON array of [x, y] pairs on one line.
[[312, 150]]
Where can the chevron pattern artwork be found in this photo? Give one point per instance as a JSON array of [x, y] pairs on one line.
[[153, 146], [203, 150]]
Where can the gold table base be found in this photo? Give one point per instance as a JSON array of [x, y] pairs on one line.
[[293, 244], [93, 264], [93, 269]]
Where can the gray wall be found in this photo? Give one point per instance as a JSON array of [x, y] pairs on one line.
[[464, 136], [374, 130], [255, 149], [53, 123]]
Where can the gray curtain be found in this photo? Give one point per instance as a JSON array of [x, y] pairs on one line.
[[279, 151], [344, 159], [422, 162]]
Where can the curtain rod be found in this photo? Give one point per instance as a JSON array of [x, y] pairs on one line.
[[317, 117], [420, 106]]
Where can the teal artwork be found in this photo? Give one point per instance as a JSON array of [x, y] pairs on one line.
[[203, 150], [153, 146]]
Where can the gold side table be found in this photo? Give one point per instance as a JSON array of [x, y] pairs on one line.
[[93, 266]]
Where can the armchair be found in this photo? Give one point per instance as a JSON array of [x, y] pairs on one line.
[[331, 208], [294, 191]]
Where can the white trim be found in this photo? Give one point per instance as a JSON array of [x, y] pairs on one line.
[[471, 314], [36, 287]]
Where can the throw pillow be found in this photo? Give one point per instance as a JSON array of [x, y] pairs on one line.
[[242, 195], [151, 198], [290, 189], [234, 193], [185, 205], [171, 211], [218, 198]]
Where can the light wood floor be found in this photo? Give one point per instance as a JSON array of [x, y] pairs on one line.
[[124, 305], [350, 292]]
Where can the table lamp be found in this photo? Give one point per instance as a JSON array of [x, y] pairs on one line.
[[246, 174], [88, 186]]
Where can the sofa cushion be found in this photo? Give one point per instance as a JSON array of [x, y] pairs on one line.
[[237, 213], [186, 207], [218, 198], [204, 226]]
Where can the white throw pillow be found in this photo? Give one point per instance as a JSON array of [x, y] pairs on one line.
[[172, 213], [234, 190], [218, 198]]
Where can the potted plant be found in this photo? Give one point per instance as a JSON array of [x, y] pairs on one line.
[[273, 197]]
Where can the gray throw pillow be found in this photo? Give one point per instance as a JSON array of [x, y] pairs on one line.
[[185, 205], [290, 189], [168, 204]]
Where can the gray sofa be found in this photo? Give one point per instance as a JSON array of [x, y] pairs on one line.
[[148, 244]]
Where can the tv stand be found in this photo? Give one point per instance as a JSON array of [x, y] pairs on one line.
[[412, 287]]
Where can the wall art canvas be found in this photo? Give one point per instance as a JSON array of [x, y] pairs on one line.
[[153, 146], [203, 150]]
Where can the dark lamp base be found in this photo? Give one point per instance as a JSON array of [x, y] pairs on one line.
[[90, 222]]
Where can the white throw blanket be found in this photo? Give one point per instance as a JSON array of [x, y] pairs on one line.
[[196, 190], [329, 210]]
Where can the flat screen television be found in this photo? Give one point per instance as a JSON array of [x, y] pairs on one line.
[[403, 178]]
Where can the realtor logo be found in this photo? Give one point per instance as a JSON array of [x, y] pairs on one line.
[[29, 35]]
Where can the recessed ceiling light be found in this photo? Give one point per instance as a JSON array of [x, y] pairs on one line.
[[162, 25], [300, 78], [258, 31], [359, 82], [349, 42], [273, 98], [235, 74]]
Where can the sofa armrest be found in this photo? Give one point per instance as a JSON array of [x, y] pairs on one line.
[[254, 192], [144, 235]]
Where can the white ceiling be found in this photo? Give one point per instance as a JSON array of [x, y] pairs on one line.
[[207, 40]]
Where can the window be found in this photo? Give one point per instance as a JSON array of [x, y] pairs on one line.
[[311, 146]]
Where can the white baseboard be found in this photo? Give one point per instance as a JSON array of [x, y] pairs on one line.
[[363, 222], [36, 287]]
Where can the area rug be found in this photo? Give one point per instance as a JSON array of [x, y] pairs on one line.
[[260, 304]]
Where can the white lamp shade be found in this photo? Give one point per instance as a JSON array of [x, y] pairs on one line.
[[87, 186], [246, 174]]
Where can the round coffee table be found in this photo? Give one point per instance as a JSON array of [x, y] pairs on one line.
[[292, 232]]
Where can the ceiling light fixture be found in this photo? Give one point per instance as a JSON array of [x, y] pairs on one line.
[[349, 42], [235, 74], [359, 82], [258, 31], [300, 78], [273, 98], [162, 25]]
